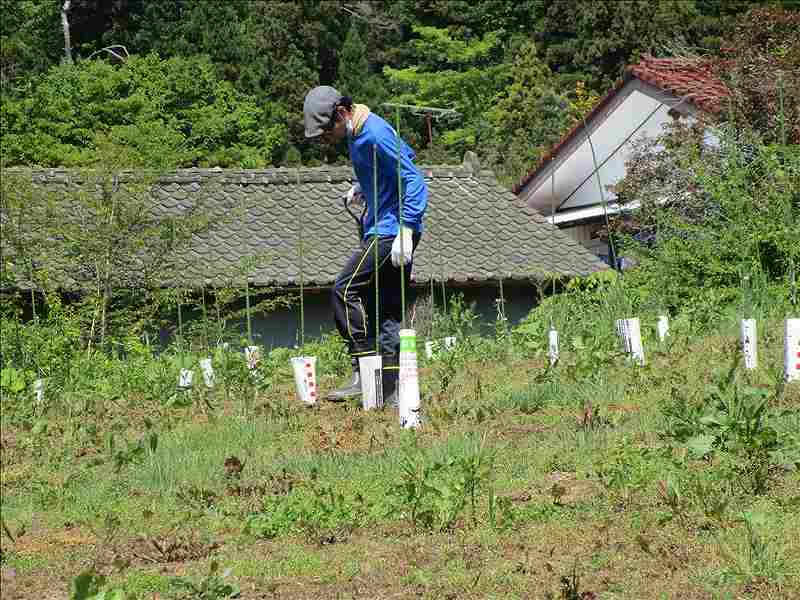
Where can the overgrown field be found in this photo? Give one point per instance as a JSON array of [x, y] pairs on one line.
[[594, 479]]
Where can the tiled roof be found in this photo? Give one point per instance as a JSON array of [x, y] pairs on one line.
[[692, 79], [475, 230]]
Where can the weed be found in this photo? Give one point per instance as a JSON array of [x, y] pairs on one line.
[[732, 422], [757, 558], [433, 492], [317, 509], [133, 452], [212, 586], [570, 587], [91, 585]]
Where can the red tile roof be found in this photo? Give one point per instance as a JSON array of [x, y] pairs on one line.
[[691, 79], [687, 78]]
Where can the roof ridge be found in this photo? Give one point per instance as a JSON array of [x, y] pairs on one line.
[[271, 175]]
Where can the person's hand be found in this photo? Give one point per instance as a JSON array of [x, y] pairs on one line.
[[403, 247], [354, 194]]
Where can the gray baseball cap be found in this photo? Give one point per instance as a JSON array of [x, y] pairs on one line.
[[318, 109]]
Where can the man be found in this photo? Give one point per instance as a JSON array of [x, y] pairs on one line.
[[330, 117]]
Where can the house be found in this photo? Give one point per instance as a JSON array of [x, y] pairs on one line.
[[573, 184], [476, 234]]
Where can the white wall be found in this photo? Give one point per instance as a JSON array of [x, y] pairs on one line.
[[574, 178]]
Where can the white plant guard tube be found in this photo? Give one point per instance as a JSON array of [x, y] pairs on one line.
[[305, 378], [185, 379], [791, 350], [630, 332], [663, 328], [623, 334], [371, 372], [207, 369], [635, 336], [409, 405], [750, 343], [552, 346], [38, 390], [429, 349]]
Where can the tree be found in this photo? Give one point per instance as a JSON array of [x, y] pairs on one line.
[[761, 68], [451, 71], [166, 113], [354, 74], [594, 41], [528, 115], [29, 39], [96, 233]]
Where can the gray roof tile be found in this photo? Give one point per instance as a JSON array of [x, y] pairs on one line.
[[474, 229]]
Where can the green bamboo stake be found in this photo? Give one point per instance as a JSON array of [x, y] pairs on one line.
[[178, 300], [602, 196], [502, 300], [302, 280], [180, 328], [400, 200], [246, 286], [792, 267], [376, 242], [33, 292], [553, 223], [443, 278], [205, 316], [435, 113]]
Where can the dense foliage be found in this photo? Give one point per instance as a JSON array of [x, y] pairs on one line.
[[221, 83]]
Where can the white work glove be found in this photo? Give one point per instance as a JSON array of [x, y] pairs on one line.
[[354, 194], [402, 253]]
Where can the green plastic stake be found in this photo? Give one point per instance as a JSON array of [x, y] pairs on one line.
[[180, 328], [376, 242], [246, 286], [302, 281], [602, 196], [434, 112], [502, 300], [205, 316], [400, 199], [553, 223], [792, 264]]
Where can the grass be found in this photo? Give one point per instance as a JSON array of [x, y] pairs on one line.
[[523, 483]]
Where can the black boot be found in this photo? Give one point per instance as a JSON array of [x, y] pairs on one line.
[[391, 379], [351, 389]]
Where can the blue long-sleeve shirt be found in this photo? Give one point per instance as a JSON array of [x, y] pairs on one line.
[[376, 131]]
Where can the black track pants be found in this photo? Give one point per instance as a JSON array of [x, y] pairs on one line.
[[354, 300]]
